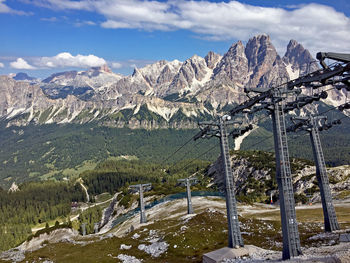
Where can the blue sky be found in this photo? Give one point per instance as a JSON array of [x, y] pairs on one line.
[[45, 36]]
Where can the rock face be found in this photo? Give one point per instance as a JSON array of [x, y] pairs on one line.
[[161, 95], [254, 176]]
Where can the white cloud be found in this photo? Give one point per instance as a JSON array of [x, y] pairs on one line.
[[6, 9], [115, 65], [84, 23], [49, 19], [317, 27], [65, 59], [20, 63], [2, 65]]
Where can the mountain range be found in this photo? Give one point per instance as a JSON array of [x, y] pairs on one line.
[[166, 94]]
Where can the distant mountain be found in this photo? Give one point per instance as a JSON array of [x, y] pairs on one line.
[[161, 95], [22, 76]]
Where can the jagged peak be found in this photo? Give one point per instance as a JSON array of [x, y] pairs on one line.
[[296, 53], [212, 59], [260, 37], [294, 46], [196, 58], [292, 43], [136, 72], [237, 47]]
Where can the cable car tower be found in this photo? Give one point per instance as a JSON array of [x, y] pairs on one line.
[[141, 188], [219, 129], [313, 124], [188, 182]]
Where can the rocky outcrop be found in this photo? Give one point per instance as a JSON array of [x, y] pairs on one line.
[[254, 173]]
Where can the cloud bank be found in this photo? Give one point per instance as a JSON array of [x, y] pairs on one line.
[[20, 63], [66, 59], [61, 60], [317, 27]]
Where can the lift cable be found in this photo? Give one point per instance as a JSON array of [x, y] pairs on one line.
[[185, 155], [196, 158], [176, 151]]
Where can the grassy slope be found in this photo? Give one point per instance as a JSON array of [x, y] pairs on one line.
[[205, 232]]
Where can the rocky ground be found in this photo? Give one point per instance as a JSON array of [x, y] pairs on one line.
[[173, 236]]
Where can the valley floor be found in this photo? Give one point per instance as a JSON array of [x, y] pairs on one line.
[[173, 236]]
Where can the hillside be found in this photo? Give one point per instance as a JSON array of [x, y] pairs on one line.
[[172, 236], [254, 177], [53, 151]]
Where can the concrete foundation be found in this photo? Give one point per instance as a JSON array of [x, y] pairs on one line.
[[344, 237], [227, 253]]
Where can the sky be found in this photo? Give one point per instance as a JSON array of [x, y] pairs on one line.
[[41, 37]]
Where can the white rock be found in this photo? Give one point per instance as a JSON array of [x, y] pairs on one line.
[[135, 236], [126, 247], [128, 259]]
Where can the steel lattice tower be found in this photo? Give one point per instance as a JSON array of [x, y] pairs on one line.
[[219, 129], [188, 182], [140, 187], [291, 240], [310, 124], [235, 237], [273, 99], [330, 218]]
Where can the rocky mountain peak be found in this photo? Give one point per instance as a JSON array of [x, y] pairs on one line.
[[259, 50], [298, 58], [212, 59], [233, 65], [194, 68], [262, 56], [212, 83]]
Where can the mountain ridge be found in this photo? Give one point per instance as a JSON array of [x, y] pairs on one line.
[[197, 88]]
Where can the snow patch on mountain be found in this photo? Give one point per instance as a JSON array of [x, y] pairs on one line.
[[293, 74]]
